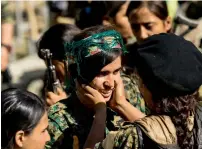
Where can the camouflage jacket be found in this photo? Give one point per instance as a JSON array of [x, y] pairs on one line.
[[131, 80], [70, 123], [157, 132], [132, 91]]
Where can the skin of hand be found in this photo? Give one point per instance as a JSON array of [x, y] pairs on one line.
[[52, 98], [118, 94], [88, 96], [119, 103]]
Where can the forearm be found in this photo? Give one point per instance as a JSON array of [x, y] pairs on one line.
[[7, 33], [97, 130], [128, 111]]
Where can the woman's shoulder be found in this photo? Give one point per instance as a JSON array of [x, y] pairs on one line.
[[159, 128]]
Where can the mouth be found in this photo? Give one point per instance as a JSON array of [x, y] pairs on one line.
[[106, 94]]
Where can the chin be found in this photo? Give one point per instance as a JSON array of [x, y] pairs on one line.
[[107, 99]]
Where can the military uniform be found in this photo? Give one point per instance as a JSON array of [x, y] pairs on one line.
[[157, 132], [132, 91], [130, 80], [70, 123], [148, 131]]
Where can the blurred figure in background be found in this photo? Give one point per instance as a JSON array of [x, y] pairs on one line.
[[7, 32], [148, 18], [116, 15], [53, 39], [89, 13]]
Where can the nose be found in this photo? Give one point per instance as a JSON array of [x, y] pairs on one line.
[[143, 34], [109, 82], [47, 136]]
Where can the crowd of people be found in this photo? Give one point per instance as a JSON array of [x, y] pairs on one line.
[[127, 82]]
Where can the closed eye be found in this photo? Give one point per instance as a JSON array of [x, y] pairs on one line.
[[117, 71], [103, 73]]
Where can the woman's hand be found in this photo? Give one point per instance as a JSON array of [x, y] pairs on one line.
[[52, 98], [119, 103], [88, 95], [118, 95]]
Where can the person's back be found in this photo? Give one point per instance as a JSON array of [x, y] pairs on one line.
[[53, 40]]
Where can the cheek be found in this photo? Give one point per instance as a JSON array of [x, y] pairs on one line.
[[97, 82], [158, 28]]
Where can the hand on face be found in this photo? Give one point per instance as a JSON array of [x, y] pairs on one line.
[[88, 95], [118, 94], [52, 98]]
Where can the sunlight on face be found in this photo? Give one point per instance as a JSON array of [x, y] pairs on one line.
[[104, 81], [39, 136], [145, 24]]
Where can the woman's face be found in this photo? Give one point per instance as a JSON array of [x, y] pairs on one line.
[[104, 82], [37, 138], [144, 23]]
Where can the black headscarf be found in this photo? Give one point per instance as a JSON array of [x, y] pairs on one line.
[[169, 65]]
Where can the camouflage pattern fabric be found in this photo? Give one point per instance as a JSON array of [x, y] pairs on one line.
[[7, 12], [70, 123], [157, 129], [130, 81]]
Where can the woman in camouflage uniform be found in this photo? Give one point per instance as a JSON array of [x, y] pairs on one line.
[[94, 59], [170, 74]]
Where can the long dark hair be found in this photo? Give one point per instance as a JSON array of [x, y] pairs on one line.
[[179, 109], [21, 110], [159, 8], [91, 66]]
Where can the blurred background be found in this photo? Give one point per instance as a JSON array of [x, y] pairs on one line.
[[23, 23]]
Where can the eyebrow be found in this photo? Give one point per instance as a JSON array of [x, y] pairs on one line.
[[142, 23], [46, 127], [119, 68], [113, 71]]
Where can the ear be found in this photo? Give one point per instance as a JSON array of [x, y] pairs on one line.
[[168, 23], [107, 21], [19, 138]]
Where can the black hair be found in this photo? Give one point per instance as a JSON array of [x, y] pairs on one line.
[[54, 38], [91, 66], [20, 110], [159, 8], [179, 109], [113, 7]]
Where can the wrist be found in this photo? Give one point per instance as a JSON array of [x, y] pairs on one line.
[[120, 105], [100, 107], [7, 47]]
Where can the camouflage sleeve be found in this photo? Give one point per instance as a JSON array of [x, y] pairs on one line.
[[7, 12], [132, 91], [59, 121], [126, 138]]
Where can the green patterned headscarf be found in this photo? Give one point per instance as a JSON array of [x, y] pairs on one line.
[[103, 42]]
